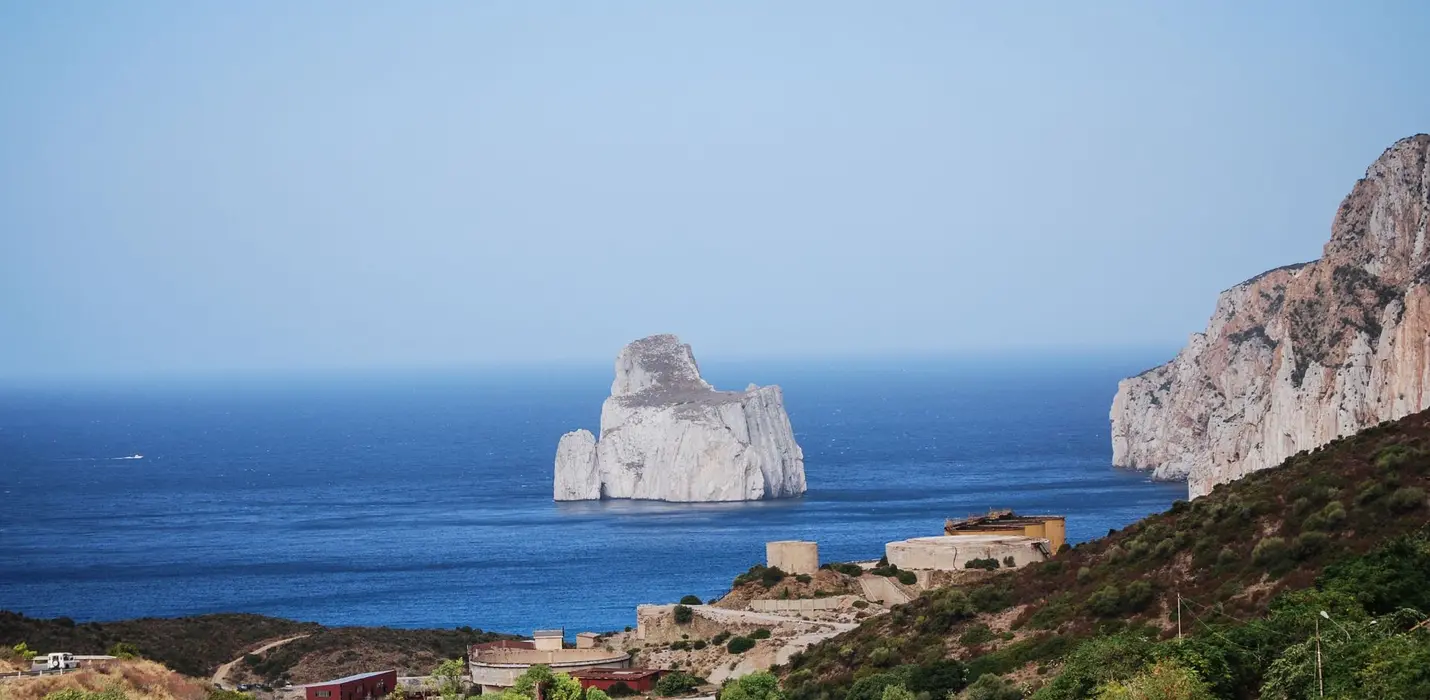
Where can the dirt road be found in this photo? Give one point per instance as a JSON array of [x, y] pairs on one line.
[[220, 678]]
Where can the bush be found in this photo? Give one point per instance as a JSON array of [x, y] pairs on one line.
[[719, 639], [907, 578], [989, 564], [1392, 457], [861, 604], [1270, 553], [848, 569], [1083, 573], [1105, 601], [975, 635], [697, 644], [771, 576], [804, 578], [740, 645], [990, 599], [619, 689], [683, 614], [691, 600], [991, 687], [123, 650], [760, 633], [1406, 499], [1308, 544], [680, 645], [1328, 518], [1009, 562], [675, 683]]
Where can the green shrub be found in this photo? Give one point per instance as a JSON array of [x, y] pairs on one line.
[[1009, 562], [740, 645], [771, 576], [1371, 492], [697, 644], [1270, 553], [1406, 499], [761, 633], [719, 639], [861, 604], [683, 614], [1095, 662], [1308, 544], [1328, 518], [123, 650], [990, 564], [680, 645], [848, 569], [975, 635], [937, 678], [619, 689], [907, 578], [990, 599], [676, 683], [991, 687], [691, 600], [1105, 601], [1392, 457], [804, 578]]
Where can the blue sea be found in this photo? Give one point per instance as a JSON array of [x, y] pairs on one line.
[[424, 499]]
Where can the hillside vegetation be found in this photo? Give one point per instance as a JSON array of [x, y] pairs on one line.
[[1340, 529], [194, 646], [115, 680], [198, 645]]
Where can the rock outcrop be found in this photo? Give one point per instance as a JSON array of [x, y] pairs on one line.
[[668, 435], [1300, 355]]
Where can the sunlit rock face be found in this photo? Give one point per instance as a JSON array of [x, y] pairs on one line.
[[667, 435], [1300, 355]]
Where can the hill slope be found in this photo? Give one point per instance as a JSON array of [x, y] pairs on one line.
[[1228, 555]]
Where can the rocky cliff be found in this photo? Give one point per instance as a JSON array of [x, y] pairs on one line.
[[1299, 355], [668, 435]]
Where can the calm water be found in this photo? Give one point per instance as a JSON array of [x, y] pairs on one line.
[[426, 501]]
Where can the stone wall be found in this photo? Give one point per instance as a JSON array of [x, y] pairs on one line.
[[803, 604]]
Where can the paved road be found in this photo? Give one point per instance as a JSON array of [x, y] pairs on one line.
[[221, 675]]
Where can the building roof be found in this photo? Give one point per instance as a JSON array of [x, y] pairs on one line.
[[549, 633], [349, 679], [995, 520], [588, 634], [614, 674]]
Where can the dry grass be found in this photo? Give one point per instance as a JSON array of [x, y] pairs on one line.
[[138, 680]]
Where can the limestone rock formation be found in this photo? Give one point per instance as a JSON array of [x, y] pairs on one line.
[[668, 435], [1300, 355]]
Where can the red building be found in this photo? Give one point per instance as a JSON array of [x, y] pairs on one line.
[[363, 686], [641, 680]]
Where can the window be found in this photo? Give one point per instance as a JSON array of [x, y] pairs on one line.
[[322, 693]]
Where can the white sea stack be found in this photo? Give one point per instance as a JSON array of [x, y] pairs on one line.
[[667, 435]]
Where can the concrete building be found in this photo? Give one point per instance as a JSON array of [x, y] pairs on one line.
[[641, 680], [793, 556], [362, 686], [587, 640], [951, 553], [549, 640], [1052, 528], [496, 665]]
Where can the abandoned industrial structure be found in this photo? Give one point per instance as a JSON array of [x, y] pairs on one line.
[[1003, 536], [496, 665]]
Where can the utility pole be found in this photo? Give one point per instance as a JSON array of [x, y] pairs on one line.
[[1179, 615], [1320, 682]]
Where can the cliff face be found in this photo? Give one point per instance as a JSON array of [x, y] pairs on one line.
[[668, 435], [1299, 355]]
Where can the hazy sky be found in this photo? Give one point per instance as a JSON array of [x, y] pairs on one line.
[[196, 186]]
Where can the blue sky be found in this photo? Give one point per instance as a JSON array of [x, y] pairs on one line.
[[215, 186]]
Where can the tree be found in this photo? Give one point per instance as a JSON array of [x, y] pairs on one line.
[[991, 687], [1165, 680], [449, 678], [691, 600], [124, 650], [24, 651], [755, 686], [539, 681], [675, 683], [596, 694], [897, 692], [683, 614]]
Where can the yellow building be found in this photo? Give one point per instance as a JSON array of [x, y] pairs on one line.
[[1052, 528]]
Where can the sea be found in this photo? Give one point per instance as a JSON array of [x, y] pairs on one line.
[[423, 499]]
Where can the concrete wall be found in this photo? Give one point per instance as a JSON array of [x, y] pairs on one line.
[[793, 556], [951, 552], [803, 604], [656, 624], [500, 668]]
